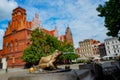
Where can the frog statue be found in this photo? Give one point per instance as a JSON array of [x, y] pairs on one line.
[[47, 62]]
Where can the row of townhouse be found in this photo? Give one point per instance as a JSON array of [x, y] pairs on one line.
[[93, 48]]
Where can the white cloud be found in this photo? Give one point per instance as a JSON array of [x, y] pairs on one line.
[[6, 7]]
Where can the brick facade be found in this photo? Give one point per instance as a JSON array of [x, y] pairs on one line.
[[15, 39]]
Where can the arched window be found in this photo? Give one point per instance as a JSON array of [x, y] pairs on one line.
[[19, 13], [6, 45], [11, 46], [16, 44]]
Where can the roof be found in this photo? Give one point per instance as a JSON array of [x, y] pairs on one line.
[[49, 32], [102, 44], [19, 8], [109, 39]]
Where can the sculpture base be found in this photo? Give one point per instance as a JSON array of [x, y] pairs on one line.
[[51, 71], [52, 75]]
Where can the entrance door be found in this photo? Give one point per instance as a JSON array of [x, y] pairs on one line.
[[4, 62]]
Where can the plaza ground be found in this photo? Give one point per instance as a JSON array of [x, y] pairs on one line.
[[17, 71], [83, 71]]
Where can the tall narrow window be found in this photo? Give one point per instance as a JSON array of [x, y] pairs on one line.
[[116, 46], [16, 45], [113, 47], [114, 51], [118, 51]]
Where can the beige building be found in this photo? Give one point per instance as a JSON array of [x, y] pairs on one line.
[[77, 50], [89, 48]]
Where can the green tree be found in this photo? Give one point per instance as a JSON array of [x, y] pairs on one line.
[[36, 50], [67, 47], [67, 58], [52, 44], [42, 44], [111, 11], [68, 53]]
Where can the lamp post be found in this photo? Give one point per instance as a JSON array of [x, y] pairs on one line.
[[7, 57], [0, 63]]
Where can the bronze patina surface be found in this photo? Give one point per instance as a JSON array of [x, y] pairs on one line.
[[47, 62]]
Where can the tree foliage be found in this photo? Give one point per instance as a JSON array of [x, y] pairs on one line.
[[68, 53], [111, 11], [67, 58], [42, 45]]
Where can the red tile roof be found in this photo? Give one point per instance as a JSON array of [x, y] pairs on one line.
[[52, 32]]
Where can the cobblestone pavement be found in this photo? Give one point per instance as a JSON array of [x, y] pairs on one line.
[[5, 76], [17, 71]]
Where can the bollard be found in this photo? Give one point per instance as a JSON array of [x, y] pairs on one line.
[[67, 67], [6, 70]]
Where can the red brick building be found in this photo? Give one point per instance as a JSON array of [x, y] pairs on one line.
[[17, 34]]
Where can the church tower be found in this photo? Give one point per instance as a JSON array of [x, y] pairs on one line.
[[16, 38], [18, 21], [68, 35]]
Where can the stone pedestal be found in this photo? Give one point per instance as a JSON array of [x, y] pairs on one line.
[[68, 75]]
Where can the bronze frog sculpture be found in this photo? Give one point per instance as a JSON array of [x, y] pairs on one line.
[[47, 62]]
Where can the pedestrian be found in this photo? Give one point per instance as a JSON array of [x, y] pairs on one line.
[[6, 69]]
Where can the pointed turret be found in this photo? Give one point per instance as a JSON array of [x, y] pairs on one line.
[[36, 21], [68, 35], [56, 32]]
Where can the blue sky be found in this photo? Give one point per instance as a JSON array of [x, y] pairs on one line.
[[79, 15]]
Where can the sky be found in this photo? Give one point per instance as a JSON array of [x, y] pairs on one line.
[[80, 15]]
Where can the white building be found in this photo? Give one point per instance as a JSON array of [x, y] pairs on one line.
[[112, 46]]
